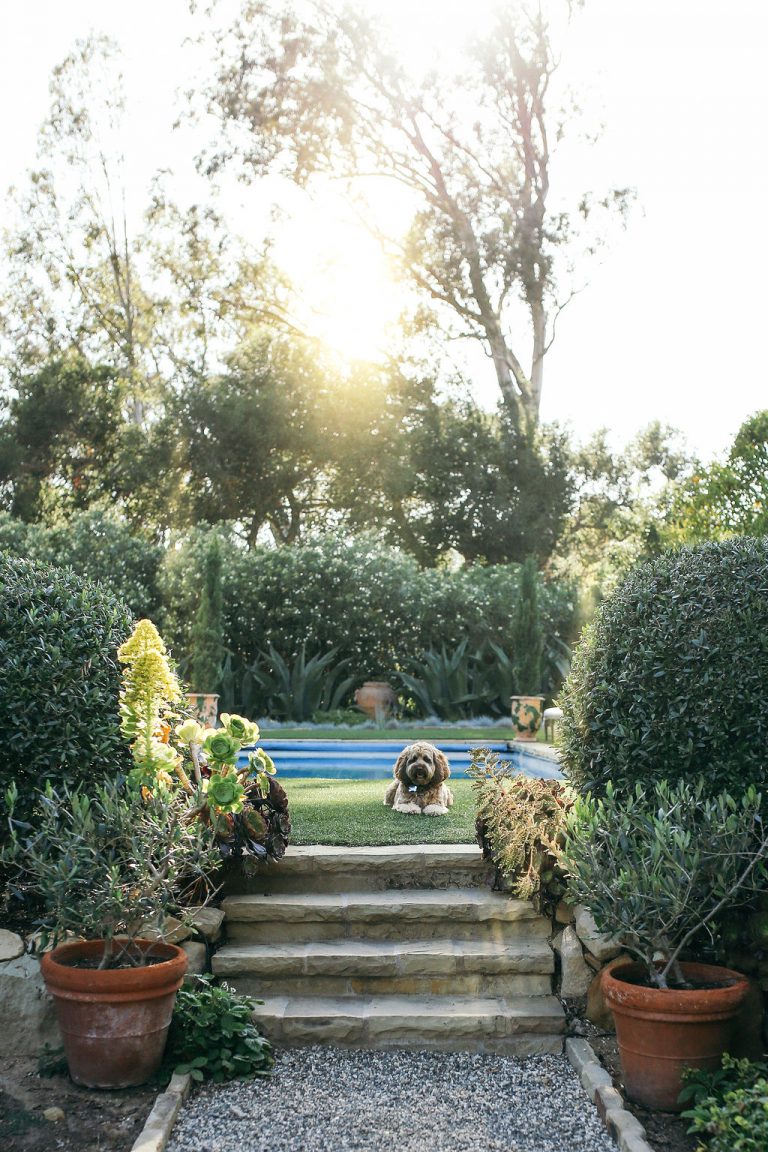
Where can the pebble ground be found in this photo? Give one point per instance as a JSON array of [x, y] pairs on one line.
[[340, 1100]]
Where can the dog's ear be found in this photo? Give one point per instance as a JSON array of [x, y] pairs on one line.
[[442, 767], [399, 769]]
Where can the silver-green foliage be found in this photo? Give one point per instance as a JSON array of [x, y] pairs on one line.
[[296, 689], [656, 867], [102, 864]]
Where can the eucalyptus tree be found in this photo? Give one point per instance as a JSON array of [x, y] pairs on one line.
[[73, 279], [318, 90]]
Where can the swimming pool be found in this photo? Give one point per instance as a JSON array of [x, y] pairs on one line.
[[374, 759]]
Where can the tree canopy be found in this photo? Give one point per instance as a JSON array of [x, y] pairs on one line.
[[319, 91]]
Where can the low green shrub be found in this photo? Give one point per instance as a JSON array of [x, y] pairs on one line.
[[213, 1037], [730, 1106], [669, 679], [59, 679], [103, 863]]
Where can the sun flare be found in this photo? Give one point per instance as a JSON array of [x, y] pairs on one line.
[[347, 293]]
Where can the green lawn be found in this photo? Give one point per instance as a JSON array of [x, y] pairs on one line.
[[414, 732], [352, 813]]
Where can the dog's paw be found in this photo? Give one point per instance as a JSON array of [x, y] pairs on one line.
[[408, 809], [435, 810]]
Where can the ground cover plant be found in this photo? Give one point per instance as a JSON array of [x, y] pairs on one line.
[[351, 813], [729, 1106], [213, 1037]]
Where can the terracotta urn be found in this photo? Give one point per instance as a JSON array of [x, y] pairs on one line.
[[376, 698], [662, 1031], [205, 707], [527, 715]]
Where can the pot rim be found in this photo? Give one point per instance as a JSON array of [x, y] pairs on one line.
[[62, 977], [624, 994]]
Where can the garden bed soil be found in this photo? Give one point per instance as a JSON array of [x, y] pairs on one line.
[[93, 1120]]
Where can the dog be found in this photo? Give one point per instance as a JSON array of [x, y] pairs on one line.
[[419, 785]]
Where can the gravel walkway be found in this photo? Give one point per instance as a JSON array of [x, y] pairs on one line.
[[337, 1100]]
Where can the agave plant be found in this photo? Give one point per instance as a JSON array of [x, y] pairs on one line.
[[443, 683], [295, 691]]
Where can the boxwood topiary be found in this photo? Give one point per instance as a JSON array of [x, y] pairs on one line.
[[670, 680], [59, 679]]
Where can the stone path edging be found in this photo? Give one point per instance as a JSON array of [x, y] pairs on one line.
[[625, 1128], [159, 1124]]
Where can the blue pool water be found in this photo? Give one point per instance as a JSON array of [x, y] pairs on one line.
[[375, 759]]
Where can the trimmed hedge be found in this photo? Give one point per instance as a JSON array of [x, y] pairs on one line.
[[670, 680], [371, 603], [59, 679]]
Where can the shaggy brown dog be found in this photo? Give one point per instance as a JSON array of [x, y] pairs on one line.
[[418, 785]]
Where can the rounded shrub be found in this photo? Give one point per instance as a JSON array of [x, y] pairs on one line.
[[59, 679], [670, 680]]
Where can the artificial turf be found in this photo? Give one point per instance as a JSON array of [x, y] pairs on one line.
[[352, 813], [487, 734]]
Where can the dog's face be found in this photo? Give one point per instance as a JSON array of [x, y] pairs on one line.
[[420, 765]]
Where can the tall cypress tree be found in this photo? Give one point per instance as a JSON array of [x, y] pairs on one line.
[[207, 630], [527, 633]]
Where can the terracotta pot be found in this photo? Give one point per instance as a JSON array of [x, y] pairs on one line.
[[526, 716], [205, 707], [376, 698], [114, 1022], [660, 1032]]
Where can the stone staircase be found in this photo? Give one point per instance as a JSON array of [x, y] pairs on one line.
[[392, 947]]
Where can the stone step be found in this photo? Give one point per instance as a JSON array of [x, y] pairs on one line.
[[320, 868], [515, 1025], [343, 967], [396, 914]]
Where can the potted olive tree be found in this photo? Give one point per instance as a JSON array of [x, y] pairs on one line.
[[106, 864], [655, 866], [102, 865]]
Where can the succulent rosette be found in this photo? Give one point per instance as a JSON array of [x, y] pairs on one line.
[[220, 746], [239, 728], [225, 791], [190, 732]]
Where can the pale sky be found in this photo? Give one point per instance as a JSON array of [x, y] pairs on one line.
[[670, 323]]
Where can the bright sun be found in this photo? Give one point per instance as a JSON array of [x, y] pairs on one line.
[[346, 292]]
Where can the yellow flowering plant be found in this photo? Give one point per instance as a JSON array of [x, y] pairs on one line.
[[234, 793]]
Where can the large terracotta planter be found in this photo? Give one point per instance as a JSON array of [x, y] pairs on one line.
[[376, 698], [205, 707], [661, 1032], [114, 1022], [526, 716]]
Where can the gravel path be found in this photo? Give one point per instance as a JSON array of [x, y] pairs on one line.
[[337, 1100]]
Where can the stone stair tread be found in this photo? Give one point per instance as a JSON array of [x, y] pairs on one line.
[[383, 957], [518, 1006], [307, 857], [476, 904], [497, 1016]]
